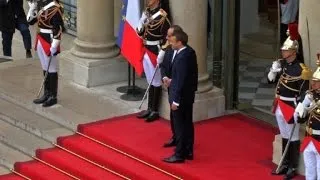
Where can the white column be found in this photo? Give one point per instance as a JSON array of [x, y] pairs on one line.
[[309, 26], [93, 60], [191, 15]]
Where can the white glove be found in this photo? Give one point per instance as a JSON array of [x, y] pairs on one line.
[[295, 117], [142, 21], [308, 99], [143, 18], [302, 108], [301, 111], [272, 76], [32, 13], [276, 67], [54, 46], [160, 56]]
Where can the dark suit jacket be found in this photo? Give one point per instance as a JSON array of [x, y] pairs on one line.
[[20, 15], [184, 75], [7, 16], [165, 66]]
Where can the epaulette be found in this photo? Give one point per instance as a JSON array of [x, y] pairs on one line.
[[163, 12], [306, 73], [165, 46]]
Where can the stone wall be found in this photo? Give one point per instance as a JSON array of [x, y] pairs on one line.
[[309, 29]]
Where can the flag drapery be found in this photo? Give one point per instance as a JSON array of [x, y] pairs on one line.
[[130, 43]]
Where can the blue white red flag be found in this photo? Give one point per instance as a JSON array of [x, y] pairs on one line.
[[130, 43]]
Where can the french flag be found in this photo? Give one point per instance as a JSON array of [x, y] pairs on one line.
[[130, 43]]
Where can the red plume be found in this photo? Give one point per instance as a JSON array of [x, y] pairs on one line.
[[293, 31]]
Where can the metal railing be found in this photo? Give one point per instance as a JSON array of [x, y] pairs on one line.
[[70, 15]]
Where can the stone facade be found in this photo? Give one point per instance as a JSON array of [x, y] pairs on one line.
[[94, 60], [309, 26]]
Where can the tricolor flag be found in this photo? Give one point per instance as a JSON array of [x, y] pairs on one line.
[[130, 43]]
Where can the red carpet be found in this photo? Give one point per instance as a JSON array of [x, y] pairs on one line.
[[11, 177], [229, 147]]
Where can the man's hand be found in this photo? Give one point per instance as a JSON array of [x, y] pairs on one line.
[[174, 107], [166, 82]]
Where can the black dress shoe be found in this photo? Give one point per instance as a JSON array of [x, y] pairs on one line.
[[28, 54], [42, 99], [152, 116], [291, 173], [50, 102], [170, 143], [174, 159], [144, 114], [282, 170], [189, 156]]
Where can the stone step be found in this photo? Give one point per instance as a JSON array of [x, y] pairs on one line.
[[8, 156], [21, 140], [20, 82], [31, 122], [4, 170]]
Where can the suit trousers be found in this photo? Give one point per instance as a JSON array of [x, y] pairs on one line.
[[7, 43], [184, 129]]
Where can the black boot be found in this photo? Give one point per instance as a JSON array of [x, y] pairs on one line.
[[45, 95], [28, 53], [294, 154], [154, 115], [146, 113], [285, 164], [52, 100]]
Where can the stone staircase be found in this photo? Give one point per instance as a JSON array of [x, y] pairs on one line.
[[25, 127], [22, 132]]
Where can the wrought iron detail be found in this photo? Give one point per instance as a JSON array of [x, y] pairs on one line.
[[70, 15]]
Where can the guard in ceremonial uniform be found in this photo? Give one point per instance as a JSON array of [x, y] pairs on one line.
[[309, 111], [292, 78], [49, 16], [153, 27]]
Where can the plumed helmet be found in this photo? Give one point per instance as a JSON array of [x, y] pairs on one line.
[[316, 74], [291, 42]]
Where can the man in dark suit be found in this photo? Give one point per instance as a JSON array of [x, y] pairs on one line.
[[182, 88], [165, 68], [7, 24], [12, 16]]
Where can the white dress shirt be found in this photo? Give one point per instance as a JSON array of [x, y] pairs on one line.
[[174, 54]]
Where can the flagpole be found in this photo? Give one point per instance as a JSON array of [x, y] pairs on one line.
[[124, 89], [130, 15], [134, 93]]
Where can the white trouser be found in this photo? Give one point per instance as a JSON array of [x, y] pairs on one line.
[[149, 71], [44, 59], [312, 162], [285, 128]]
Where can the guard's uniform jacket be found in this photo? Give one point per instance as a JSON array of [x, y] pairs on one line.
[[313, 123], [154, 31], [292, 82], [50, 24]]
